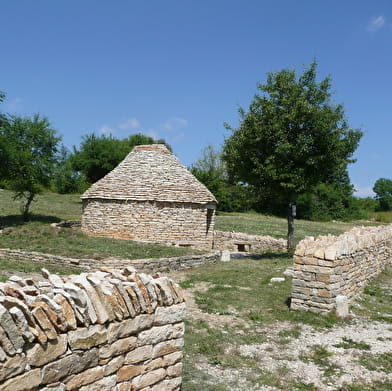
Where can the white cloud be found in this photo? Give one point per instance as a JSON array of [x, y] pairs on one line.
[[15, 104], [106, 130], [175, 123], [376, 23], [129, 124], [363, 191]]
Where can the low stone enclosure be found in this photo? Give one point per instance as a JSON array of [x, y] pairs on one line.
[[109, 330], [333, 269]]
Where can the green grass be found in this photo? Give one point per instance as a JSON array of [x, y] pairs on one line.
[[71, 242], [257, 224], [349, 343], [8, 268]]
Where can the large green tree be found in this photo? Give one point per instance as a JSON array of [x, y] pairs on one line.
[[30, 146], [383, 190], [98, 155], [292, 138]]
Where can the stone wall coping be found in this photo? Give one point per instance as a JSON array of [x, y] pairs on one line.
[[333, 247], [39, 311]]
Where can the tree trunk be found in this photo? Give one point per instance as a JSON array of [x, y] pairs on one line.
[[290, 223], [26, 207]]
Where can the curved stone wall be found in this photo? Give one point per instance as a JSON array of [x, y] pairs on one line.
[[108, 330]]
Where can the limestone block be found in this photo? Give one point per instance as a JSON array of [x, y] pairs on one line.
[[172, 358], [8, 325], [88, 376], [330, 253], [225, 256], [173, 314], [113, 365], [68, 365], [128, 372], [155, 335], [164, 348], [139, 355], [12, 366], [174, 370], [27, 381], [277, 279], [21, 324], [119, 347], [148, 379], [86, 338], [104, 384], [129, 327], [44, 323], [168, 385], [68, 312], [342, 310], [39, 355]]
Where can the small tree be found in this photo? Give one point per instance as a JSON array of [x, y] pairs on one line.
[[31, 145], [292, 138], [383, 190]]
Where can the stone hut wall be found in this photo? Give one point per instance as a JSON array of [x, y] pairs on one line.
[[329, 266], [169, 223], [238, 241], [107, 331]]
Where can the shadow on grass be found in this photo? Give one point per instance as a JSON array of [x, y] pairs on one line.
[[256, 256], [16, 220]]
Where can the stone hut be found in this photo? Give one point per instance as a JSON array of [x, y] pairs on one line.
[[151, 197]]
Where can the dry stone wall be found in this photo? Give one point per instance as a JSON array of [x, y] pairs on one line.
[[169, 223], [109, 330], [238, 241], [148, 265], [332, 266]]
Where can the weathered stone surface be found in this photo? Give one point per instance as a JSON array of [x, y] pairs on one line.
[[128, 372], [6, 343], [113, 365], [68, 365], [86, 377], [139, 355], [168, 385], [39, 355], [86, 338], [172, 358], [155, 335], [174, 370], [105, 384], [225, 256], [148, 379], [164, 348], [67, 310], [119, 347], [172, 314], [129, 327], [342, 310], [45, 324], [12, 366], [28, 381], [8, 325]]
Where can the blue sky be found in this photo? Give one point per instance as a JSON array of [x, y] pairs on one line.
[[178, 69]]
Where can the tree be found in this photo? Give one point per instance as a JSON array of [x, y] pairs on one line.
[[3, 139], [211, 170], [292, 138], [98, 155], [31, 146], [383, 190]]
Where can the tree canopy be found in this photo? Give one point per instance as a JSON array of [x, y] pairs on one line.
[[383, 190], [292, 138], [29, 146]]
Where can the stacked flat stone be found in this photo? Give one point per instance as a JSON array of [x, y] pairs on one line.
[[107, 330], [150, 197], [146, 265], [331, 266], [232, 241]]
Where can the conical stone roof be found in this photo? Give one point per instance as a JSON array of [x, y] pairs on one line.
[[150, 173]]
